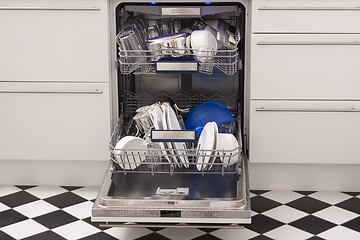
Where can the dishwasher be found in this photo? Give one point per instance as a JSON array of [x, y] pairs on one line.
[[174, 160]]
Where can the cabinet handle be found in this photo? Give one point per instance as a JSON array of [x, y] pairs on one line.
[[54, 91], [262, 109], [52, 8], [307, 43], [310, 8]]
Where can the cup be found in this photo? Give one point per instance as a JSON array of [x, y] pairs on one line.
[[130, 48], [153, 31], [166, 26]]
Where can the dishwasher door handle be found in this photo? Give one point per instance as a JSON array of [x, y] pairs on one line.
[[181, 11], [54, 91], [53, 8], [307, 43], [263, 109], [309, 8]]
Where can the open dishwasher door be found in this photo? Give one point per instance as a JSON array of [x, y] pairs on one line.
[[179, 170]]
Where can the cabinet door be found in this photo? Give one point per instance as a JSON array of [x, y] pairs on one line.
[[305, 132], [305, 16], [54, 121], [303, 66], [62, 40]]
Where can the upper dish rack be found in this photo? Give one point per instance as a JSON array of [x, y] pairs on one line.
[[224, 59]]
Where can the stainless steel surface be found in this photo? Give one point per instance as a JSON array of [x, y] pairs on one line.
[[311, 8], [308, 43], [132, 198], [138, 225], [262, 109], [180, 11], [159, 135], [54, 91], [53, 8], [176, 66]]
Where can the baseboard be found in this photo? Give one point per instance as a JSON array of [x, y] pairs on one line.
[[317, 177], [63, 173]]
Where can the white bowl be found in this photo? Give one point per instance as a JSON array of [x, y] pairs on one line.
[[227, 142], [123, 155], [204, 45]]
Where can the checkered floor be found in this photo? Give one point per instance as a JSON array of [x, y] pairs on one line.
[[48, 212]]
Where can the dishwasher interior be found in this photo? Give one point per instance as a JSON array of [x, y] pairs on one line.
[[178, 175]]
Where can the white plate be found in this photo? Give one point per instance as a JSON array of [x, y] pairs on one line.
[[216, 133], [157, 113], [173, 124], [129, 161], [169, 145], [227, 141], [206, 142]]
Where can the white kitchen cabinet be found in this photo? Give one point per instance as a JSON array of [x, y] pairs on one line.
[[305, 132], [61, 40], [306, 16], [305, 66], [54, 121]]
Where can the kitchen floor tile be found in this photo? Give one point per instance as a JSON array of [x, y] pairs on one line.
[[354, 194], [55, 219], [56, 213], [10, 216], [352, 204], [312, 224], [24, 187], [88, 193], [45, 191], [65, 200], [17, 199], [308, 205], [315, 238], [261, 237], [3, 207], [282, 196], [262, 224], [6, 190], [76, 230], [181, 234], [4, 236], [24, 229], [330, 197], [71, 188], [99, 236], [34, 209], [128, 233], [353, 224], [234, 234], [340, 232], [48, 235], [285, 214], [203, 237], [306, 193], [335, 214], [258, 192], [287, 232], [81, 210], [261, 204]]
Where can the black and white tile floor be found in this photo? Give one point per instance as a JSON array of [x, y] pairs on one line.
[[54, 212]]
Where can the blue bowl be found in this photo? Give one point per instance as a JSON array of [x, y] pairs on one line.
[[208, 112]]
